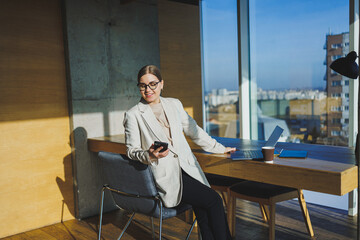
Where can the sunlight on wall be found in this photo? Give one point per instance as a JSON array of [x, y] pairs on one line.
[[116, 122], [190, 111], [107, 123], [35, 174]]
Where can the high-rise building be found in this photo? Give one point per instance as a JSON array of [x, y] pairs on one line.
[[337, 87]]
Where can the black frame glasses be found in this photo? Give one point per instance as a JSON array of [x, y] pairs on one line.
[[151, 85]]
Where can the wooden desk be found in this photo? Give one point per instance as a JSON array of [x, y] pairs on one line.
[[327, 169]]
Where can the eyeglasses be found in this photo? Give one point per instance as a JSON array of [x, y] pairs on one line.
[[151, 85]]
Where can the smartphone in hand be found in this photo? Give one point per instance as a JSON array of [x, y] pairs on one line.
[[158, 144]]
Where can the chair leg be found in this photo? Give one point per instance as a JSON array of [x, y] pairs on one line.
[[199, 235], [231, 213], [152, 227], [190, 230], [272, 222], [305, 213], [101, 211], [264, 212], [126, 226], [160, 217], [224, 199]]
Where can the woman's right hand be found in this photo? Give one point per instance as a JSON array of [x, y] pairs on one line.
[[156, 154], [229, 150]]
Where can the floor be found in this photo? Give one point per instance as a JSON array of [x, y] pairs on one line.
[[328, 224]]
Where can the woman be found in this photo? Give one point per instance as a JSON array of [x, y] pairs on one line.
[[177, 174]]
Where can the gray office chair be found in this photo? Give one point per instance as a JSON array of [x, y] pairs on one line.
[[133, 189]]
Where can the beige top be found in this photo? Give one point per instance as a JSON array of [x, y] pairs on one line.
[[159, 113]]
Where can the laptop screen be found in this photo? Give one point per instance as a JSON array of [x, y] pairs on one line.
[[274, 137]]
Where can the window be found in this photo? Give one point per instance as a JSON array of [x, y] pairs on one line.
[[333, 58], [335, 133], [335, 109], [220, 67], [291, 91], [284, 78], [336, 120], [332, 72], [336, 45], [336, 83]]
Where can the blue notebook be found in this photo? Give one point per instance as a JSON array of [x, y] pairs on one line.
[[293, 154]]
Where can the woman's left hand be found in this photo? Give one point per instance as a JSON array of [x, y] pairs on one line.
[[229, 149]]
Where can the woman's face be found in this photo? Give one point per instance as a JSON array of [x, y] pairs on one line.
[[150, 88]]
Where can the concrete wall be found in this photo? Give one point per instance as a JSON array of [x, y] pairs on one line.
[[108, 41]]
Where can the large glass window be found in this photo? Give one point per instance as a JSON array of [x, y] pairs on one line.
[[292, 44], [220, 67], [286, 50]]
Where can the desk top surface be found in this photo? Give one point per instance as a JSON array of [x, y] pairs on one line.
[[327, 169]]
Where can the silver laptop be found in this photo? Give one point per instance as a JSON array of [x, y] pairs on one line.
[[257, 154]]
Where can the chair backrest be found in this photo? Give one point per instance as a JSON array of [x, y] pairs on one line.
[[129, 176]]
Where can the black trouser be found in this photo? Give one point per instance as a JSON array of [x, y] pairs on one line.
[[208, 207]]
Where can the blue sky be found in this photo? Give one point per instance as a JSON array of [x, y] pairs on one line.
[[287, 40]]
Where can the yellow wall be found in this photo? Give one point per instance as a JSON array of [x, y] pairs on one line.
[[180, 54], [307, 107], [35, 166]]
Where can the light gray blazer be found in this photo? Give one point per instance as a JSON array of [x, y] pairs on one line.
[[142, 129]]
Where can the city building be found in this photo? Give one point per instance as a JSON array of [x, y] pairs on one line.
[[337, 88]]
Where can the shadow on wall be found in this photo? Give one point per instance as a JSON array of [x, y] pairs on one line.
[[66, 187], [91, 180]]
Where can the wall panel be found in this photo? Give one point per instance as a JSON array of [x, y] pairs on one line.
[[180, 54], [36, 182]]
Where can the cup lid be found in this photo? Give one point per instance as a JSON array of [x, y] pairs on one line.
[[268, 147]]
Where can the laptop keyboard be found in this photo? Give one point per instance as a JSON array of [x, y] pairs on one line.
[[253, 154]]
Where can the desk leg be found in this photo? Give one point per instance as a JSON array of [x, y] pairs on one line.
[[305, 213], [352, 211], [231, 213]]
